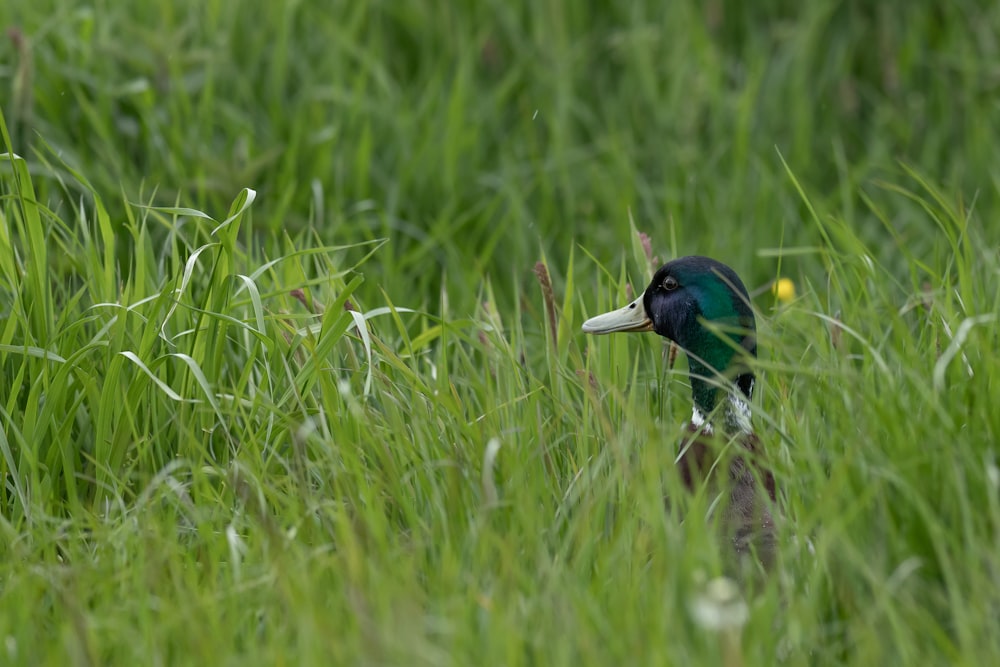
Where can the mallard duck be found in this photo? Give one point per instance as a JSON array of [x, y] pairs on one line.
[[703, 307]]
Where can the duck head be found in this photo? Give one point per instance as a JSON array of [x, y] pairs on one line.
[[702, 306]]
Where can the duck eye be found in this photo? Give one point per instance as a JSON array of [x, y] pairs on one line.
[[670, 283]]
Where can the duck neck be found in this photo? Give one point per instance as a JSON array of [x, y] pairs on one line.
[[733, 415]]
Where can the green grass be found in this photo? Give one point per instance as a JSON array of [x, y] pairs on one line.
[[280, 383]]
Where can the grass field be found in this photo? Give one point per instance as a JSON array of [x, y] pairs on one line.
[[291, 369]]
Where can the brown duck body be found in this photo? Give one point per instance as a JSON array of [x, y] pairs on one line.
[[746, 514]]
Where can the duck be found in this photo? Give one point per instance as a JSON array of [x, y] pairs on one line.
[[701, 306]]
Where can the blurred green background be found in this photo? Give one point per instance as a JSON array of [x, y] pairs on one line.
[[477, 134]]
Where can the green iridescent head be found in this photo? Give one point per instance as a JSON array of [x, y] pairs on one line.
[[703, 306]]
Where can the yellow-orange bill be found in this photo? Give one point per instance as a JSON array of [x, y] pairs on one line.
[[632, 317]]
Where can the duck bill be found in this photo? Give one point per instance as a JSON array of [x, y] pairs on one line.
[[632, 317]]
